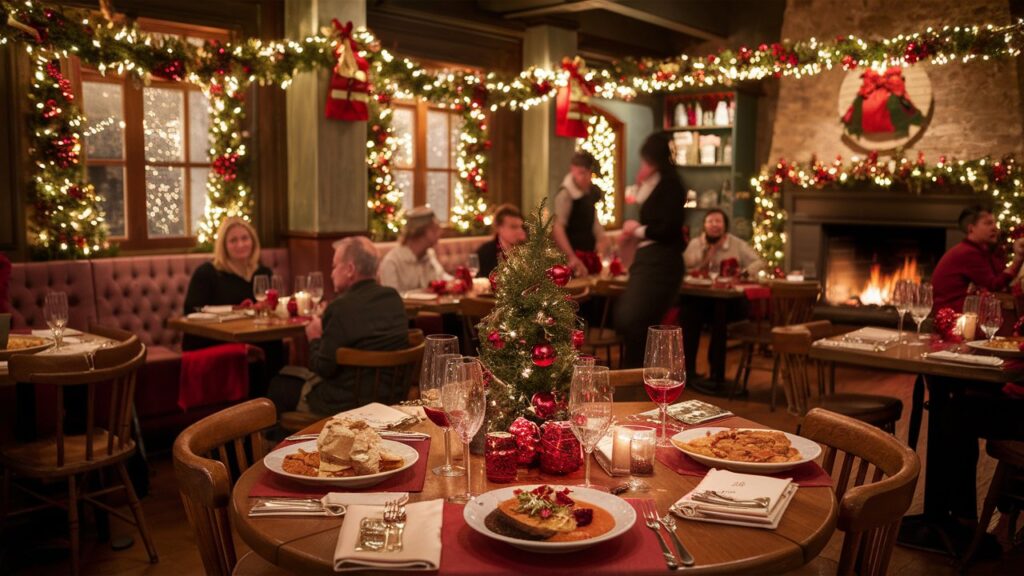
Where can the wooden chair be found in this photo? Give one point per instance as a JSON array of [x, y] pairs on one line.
[[628, 384], [874, 475], [108, 376], [208, 457], [603, 336], [473, 310], [792, 347], [789, 303], [1005, 491]]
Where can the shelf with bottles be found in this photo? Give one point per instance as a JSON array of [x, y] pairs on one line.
[[700, 112], [702, 149]]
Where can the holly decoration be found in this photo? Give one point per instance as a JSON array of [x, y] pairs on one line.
[[560, 274]]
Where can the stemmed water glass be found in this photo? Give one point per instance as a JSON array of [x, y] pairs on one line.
[[903, 298], [590, 409], [664, 370], [991, 314], [315, 288], [473, 264], [921, 308], [56, 311], [438, 350], [714, 273], [464, 402], [260, 285]]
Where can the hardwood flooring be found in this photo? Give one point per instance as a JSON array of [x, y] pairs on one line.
[[29, 550]]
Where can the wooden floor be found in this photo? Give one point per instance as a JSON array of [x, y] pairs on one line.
[[37, 553]]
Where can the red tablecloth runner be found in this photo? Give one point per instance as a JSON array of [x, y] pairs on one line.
[[808, 474], [464, 551], [271, 485]]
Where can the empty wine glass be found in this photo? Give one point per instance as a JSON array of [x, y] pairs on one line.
[[315, 288], [664, 370], [590, 409], [473, 264], [56, 312], [991, 314], [438, 350], [260, 285], [921, 308], [713, 274], [902, 299], [464, 402]]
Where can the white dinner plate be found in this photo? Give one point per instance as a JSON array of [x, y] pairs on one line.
[[692, 281], [275, 459], [203, 317], [477, 510], [808, 449], [424, 295], [1001, 352]]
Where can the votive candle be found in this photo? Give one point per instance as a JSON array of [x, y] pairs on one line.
[[620, 449]]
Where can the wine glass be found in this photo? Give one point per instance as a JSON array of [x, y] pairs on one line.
[[921, 308], [713, 273], [590, 409], [473, 264], [260, 285], [664, 370], [315, 288], [56, 312], [991, 313], [464, 402], [438, 350], [903, 299]]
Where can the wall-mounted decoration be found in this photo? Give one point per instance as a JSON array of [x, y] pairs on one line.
[[883, 110]]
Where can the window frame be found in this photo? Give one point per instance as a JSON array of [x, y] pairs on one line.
[[421, 108]]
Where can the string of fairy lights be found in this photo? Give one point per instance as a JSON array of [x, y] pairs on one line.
[[225, 71]]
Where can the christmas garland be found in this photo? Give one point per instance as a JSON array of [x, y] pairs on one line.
[[1002, 181], [384, 199]]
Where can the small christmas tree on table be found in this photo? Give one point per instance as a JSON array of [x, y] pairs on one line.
[[529, 340]]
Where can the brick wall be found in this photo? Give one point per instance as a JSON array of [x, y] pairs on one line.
[[977, 105]]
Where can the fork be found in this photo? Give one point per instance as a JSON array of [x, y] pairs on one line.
[[670, 525], [397, 519], [652, 522]]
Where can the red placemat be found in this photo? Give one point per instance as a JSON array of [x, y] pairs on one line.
[[808, 474], [411, 479], [465, 551]]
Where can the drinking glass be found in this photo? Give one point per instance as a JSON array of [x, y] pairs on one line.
[[991, 315], [260, 285], [438, 350], [464, 402], [921, 308], [970, 315], [56, 311], [664, 370], [473, 264], [713, 275], [590, 409], [299, 294], [315, 288], [903, 299]]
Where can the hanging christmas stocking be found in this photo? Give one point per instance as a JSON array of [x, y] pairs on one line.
[[572, 104], [349, 90]]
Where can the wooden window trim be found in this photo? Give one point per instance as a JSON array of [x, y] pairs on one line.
[[419, 168]]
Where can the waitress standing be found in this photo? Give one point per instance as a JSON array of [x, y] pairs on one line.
[[657, 238]]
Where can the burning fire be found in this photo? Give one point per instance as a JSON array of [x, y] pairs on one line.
[[879, 288]]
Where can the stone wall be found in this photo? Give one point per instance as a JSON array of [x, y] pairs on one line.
[[977, 105]]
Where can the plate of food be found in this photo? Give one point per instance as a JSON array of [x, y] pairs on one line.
[[1000, 346], [24, 344], [549, 519], [348, 453], [746, 449]]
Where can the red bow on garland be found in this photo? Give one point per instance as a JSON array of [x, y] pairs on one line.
[[882, 105], [572, 104], [349, 90]]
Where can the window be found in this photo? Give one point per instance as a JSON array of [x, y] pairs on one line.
[[146, 149], [424, 163]]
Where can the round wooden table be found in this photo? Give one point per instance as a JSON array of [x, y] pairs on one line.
[[306, 545]]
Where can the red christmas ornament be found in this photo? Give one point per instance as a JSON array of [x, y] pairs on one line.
[[945, 322], [462, 273], [577, 339], [493, 279], [849, 62], [293, 307], [560, 274], [459, 286], [170, 70], [438, 287], [544, 355], [527, 435], [545, 405], [560, 451], [495, 340]]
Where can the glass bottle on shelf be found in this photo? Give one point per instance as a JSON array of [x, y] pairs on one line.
[[680, 118], [699, 115]]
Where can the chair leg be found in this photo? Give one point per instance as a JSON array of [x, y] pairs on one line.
[[775, 382], [916, 413], [987, 509], [73, 524], [140, 520]]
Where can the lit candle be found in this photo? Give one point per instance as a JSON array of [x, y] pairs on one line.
[[970, 322], [303, 299], [620, 448]]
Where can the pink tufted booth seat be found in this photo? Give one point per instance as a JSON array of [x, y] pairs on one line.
[[451, 252], [31, 282]]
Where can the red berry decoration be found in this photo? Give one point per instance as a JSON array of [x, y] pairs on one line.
[[560, 274], [493, 279], [494, 338], [577, 339], [272, 299], [544, 355], [293, 307]]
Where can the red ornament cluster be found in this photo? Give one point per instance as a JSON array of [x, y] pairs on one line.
[[527, 436], [560, 451], [226, 166], [945, 323]]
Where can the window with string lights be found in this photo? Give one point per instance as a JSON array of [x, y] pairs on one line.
[[425, 159], [606, 143], [146, 148]]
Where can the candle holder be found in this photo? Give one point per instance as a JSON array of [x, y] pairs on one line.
[[641, 453], [501, 455]]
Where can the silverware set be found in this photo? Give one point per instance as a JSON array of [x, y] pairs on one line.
[[656, 523], [384, 534], [394, 520], [295, 507]]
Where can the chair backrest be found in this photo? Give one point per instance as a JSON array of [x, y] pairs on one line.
[[874, 476], [116, 365], [377, 370], [628, 384], [473, 310], [415, 336], [208, 457], [610, 291], [793, 302], [792, 345]]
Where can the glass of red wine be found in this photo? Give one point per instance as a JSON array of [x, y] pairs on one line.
[[664, 370], [438, 350]]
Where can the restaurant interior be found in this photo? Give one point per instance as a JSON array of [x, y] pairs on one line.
[[717, 286]]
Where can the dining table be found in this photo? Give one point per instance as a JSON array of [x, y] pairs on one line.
[[306, 545], [248, 330]]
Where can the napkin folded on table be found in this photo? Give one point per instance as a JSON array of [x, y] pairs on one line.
[[419, 295], [225, 309], [947, 356], [421, 544], [740, 487], [826, 343], [378, 415], [871, 334], [362, 498]]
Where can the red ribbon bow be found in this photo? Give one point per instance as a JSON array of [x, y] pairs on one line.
[[891, 81]]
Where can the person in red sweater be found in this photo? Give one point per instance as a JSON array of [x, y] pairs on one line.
[[974, 261]]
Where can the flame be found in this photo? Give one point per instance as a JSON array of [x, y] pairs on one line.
[[879, 288]]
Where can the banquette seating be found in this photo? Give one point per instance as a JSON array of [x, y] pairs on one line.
[[139, 294]]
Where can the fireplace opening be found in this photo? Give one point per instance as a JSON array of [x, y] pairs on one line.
[[863, 263]]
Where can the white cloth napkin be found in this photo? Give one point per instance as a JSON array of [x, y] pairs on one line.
[[871, 334], [225, 309], [947, 356], [202, 317], [740, 487], [421, 543], [363, 498], [73, 346], [377, 415], [827, 343], [419, 295]]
